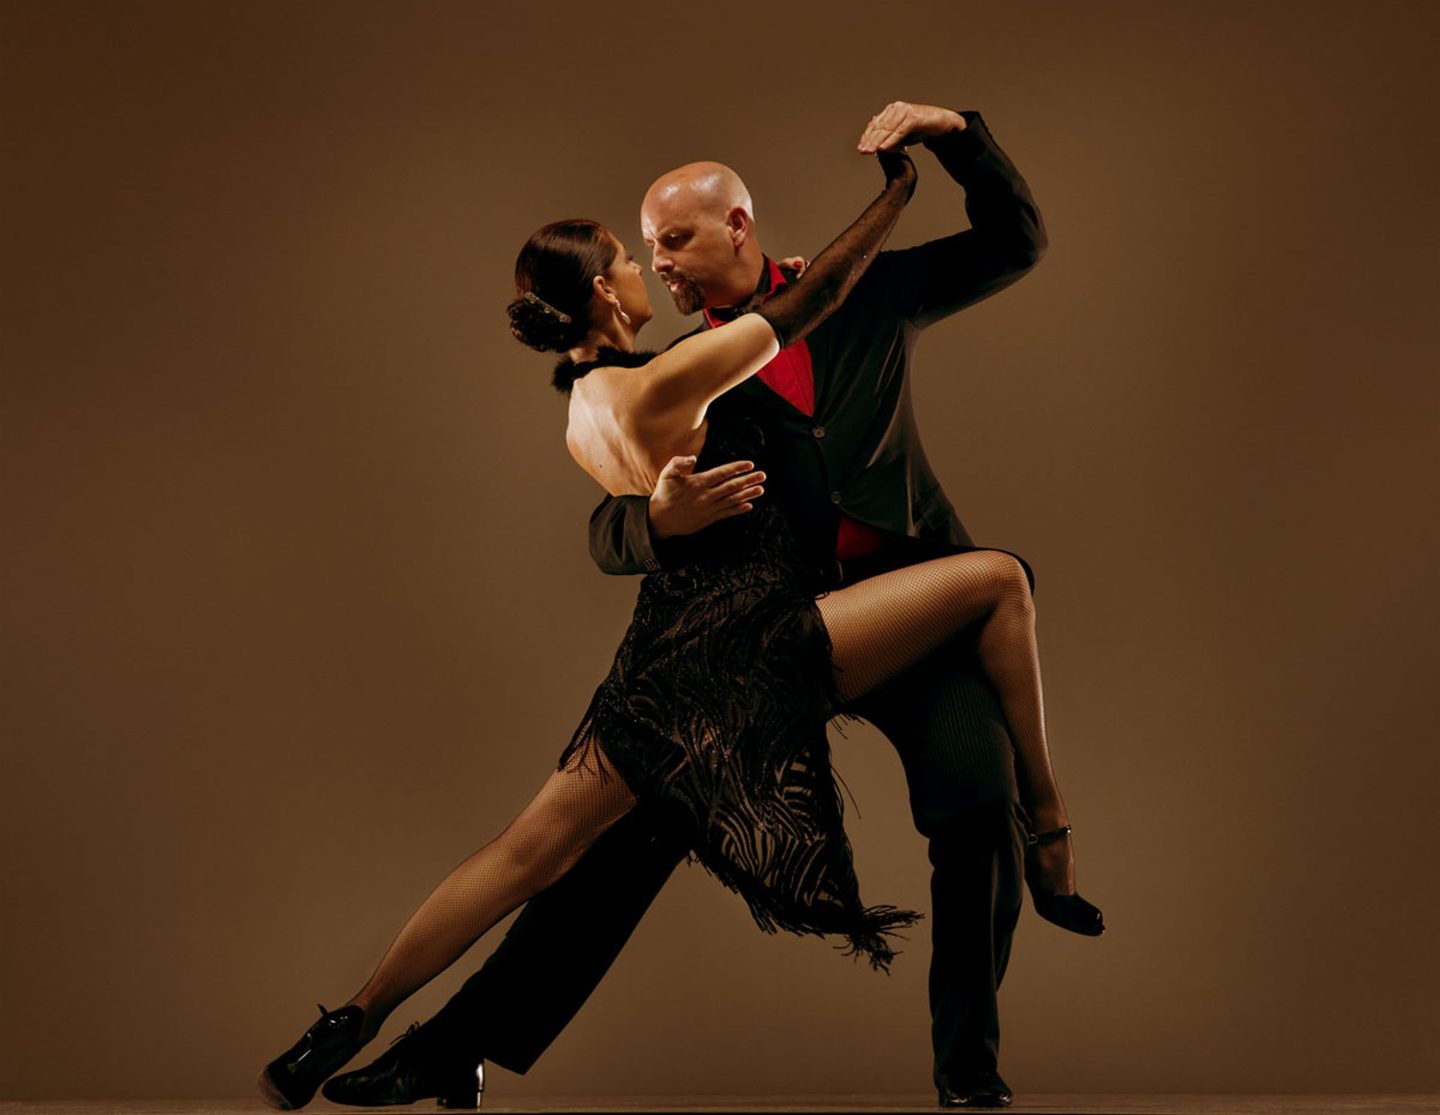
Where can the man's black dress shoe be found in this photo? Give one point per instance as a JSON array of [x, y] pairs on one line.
[[408, 1072], [986, 1090], [290, 1080]]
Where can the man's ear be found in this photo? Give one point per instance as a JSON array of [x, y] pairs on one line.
[[740, 226]]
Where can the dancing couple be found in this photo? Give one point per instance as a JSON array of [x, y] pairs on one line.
[[802, 562]]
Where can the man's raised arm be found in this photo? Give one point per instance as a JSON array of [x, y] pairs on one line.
[[628, 533], [1006, 237]]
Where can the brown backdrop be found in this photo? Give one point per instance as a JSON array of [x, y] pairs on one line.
[[298, 605]]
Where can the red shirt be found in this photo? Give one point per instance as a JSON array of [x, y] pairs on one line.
[[792, 377]]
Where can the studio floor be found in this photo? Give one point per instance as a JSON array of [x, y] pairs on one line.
[[1048, 1104]]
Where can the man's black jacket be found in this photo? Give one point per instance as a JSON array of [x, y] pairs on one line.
[[860, 451]]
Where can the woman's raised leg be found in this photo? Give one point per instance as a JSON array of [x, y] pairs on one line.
[[575, 805], [881, 626]]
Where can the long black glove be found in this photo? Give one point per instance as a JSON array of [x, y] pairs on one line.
[[804, 304]]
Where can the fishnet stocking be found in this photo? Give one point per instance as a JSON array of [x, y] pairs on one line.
[[572, 809], [881, 626]]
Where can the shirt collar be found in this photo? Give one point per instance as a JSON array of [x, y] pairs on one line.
[[772, 280]]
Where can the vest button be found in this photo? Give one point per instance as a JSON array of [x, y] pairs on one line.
[[835, 498], [818, 431]]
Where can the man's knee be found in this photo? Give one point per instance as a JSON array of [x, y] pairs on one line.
[[996, 816], [963, 788], [978, 860]]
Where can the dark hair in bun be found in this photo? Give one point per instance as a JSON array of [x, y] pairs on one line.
[[553, 276]]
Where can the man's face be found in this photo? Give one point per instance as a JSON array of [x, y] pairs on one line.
[[692, 249]]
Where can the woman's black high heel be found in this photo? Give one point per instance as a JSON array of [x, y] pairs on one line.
[[1068, 911], [290, 1081]]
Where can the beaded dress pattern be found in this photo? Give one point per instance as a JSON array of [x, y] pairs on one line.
[[717, 704]]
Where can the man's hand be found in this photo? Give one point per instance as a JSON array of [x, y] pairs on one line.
[[685, 501], [900, 124]]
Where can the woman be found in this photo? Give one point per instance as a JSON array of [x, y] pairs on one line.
[[717, 702]]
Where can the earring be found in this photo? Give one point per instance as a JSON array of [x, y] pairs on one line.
[[623, 315]]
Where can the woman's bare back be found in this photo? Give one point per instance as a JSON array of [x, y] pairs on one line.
[[616, 437]]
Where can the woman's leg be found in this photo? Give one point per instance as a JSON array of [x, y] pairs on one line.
[[572, 809], [883, 625]]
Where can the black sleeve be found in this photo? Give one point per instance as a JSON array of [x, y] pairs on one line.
[[620, 541], [795, 311], [620, 538], [1006, 237]]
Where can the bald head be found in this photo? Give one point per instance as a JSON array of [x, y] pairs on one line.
[[704, 188], [699, 224]]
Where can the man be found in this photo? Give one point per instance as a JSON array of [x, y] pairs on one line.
[[847, 465]]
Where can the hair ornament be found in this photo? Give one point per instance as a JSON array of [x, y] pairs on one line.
[[561, 316]]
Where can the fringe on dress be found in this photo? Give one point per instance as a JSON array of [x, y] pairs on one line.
[[717, 703]]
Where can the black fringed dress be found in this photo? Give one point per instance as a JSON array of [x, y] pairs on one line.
[[717, 704]]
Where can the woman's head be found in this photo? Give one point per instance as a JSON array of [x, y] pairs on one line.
[[574, 279]]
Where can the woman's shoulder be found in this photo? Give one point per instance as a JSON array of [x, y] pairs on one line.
[[568, 372]]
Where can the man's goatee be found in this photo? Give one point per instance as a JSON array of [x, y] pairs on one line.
[[688, 295]]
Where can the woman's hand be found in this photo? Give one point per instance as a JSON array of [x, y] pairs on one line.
[[685, 501]]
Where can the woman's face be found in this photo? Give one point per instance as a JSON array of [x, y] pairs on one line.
[[627, 277]]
